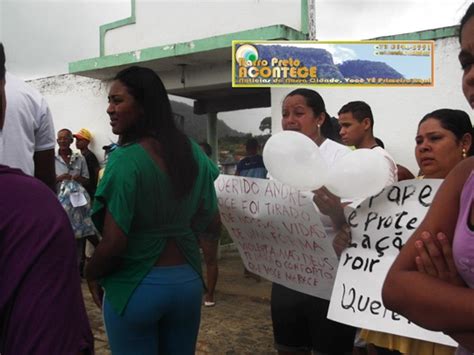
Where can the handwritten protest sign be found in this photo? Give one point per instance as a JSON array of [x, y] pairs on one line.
[[380, 226], [278, 233]]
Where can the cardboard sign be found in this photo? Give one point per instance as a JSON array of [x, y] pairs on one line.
[[278, 233], [380, 226]]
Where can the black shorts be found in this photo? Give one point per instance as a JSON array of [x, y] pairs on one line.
[[300, 324]]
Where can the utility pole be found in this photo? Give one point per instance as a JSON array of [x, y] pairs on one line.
[[312, 20]]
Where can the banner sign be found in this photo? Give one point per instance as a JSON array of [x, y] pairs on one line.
[[380, 226], [310, 63], [278, 233]]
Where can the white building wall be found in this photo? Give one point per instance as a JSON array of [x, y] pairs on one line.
[[166, 22], [77, 102], [397, 111]]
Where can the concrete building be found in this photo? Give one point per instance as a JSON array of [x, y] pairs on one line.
[[397, 111], [195, 62]]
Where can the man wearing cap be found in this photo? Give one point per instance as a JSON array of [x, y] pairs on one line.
[[83, 138]]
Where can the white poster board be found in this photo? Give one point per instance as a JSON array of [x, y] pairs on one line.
[[278, 233], [380, 226]]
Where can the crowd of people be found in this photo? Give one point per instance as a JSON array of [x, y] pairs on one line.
[[145, 270]]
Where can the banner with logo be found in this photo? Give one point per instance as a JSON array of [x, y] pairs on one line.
[[310, 63]]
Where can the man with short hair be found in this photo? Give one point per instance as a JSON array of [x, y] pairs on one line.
[[252, 165], [357, 124], [28, 138]]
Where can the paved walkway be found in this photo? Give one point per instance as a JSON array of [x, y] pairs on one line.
[[240, 323]]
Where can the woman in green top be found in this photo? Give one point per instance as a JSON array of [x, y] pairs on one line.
[[156, 195]]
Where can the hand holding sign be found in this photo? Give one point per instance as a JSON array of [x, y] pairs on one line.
[[359, 174], [294, 159]]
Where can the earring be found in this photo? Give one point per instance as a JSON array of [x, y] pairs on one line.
[[464, 154]]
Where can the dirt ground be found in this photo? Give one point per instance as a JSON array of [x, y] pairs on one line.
[[239, 323]]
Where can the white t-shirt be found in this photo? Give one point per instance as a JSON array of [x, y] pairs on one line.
[[332, 151], [28, 126], [392, 178], [391, 165]]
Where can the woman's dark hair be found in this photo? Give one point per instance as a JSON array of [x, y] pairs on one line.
[[469, 13], [456, 121], [2, 62], [316, 102], [158, 122]]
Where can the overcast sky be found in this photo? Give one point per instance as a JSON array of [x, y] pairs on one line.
[[42, 36]]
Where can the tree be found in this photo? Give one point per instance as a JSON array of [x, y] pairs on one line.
[[266, 123]]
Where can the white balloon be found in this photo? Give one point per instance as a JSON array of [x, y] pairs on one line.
[[359, 174], [294, 159]]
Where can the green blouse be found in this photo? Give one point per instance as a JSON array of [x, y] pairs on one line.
[[139, 196]]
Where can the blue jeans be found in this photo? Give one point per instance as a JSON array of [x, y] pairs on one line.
[[162, 315]]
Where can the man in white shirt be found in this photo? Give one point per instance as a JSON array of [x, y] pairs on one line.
[[356, 121], [28, 138], [357, 125]]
